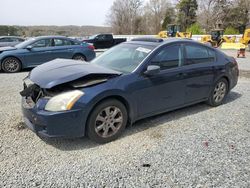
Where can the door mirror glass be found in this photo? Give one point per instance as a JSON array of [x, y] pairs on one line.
[[152, 70]]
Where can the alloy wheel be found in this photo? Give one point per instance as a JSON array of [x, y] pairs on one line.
[[108, 121], [11, 65], [219, 92]]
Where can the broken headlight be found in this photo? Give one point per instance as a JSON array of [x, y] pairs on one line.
[[64, 101]]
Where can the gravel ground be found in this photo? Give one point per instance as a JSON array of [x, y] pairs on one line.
[[197, 146]]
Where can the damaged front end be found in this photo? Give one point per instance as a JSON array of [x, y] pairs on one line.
[[33, 92], [52, 112], [53, 102]]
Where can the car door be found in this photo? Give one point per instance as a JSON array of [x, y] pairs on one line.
[[199, 71], [40, 52], [164, 90], [62, 48]]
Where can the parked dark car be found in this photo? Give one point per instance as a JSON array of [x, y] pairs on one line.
[[131, 81], [38, 50], [103, 41], [10, 40]]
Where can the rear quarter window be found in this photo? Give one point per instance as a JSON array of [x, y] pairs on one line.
[[196, 54]]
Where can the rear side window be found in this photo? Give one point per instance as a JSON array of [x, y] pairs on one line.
[[168, 57], [62, 42], [198, 54], [108, 37], [75, 43]]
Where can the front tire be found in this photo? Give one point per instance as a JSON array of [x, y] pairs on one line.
[[107, 121], [219, 92], [11, 65]]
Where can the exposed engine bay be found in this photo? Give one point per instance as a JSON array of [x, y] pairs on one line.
[[35, 92]]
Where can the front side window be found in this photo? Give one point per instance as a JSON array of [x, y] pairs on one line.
[[168, 57], [42, 43], [198, 54]]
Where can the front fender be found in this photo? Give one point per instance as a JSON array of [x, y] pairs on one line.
[[116, 94]]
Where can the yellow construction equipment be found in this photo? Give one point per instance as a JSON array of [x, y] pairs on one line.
[[173, 30], [242, 44], [215, 39], [246, 38], [232, 46]]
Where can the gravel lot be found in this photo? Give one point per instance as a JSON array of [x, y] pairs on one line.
[[197, 146]]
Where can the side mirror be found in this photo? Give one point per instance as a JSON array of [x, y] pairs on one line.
[[29, 47], [152, 70]]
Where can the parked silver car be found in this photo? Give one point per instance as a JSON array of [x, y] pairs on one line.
[[10, 40]]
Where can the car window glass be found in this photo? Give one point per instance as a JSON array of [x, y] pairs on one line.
[[75, 43], [20, 40], [66, 42], [198, 54], [101, 37], [42, 43], [109, 37], [169, 57], [5, 40], [62, 42], [58, 42]]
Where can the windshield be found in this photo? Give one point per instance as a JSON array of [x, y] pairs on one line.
[[124, 58], [25, 43], [92, 37]]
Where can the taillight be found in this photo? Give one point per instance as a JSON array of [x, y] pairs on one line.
[[91, 47]]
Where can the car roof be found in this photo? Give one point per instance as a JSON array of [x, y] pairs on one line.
[[52, 36], [159, 42]]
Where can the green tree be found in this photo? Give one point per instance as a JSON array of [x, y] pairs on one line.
[[8, 30], [195, 29], [231, 31], [237, 15], [169, 17], [186, 13]]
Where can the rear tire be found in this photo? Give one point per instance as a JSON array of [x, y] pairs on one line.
[[219, 93], [107, 121], [79, 57], [11, 65]]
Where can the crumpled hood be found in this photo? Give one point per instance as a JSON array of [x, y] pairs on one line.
[[61, 71], [7, 48]]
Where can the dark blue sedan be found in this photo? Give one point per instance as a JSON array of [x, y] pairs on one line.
[[134, 80], [38, 50]]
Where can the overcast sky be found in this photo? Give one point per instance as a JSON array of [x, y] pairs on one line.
[[54, 12]]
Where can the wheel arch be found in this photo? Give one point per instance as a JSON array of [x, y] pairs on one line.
[[227, 79]]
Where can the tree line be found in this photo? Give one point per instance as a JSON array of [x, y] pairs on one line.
[[197, 16], [33, 31]]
